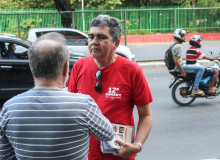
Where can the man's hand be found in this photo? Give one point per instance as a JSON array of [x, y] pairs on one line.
[[183, 74], [178, 65], [127, 150]]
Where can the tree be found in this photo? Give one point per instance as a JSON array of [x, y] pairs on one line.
[[26, 4], [66, 18], [104, 4]]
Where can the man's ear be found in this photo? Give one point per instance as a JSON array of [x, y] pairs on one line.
[[117, 42], [66, 68]]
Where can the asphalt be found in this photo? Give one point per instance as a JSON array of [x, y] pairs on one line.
[[161, 64], [148, 65]]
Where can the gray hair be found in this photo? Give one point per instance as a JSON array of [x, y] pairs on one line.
[[47, 56], [111, 22]]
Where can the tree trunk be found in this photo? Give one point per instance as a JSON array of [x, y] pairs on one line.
[[194, 2], [194, 13], [66, 18]]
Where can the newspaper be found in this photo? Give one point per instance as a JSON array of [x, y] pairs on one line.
[[123, 133]]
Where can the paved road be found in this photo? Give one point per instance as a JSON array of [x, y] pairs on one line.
[[180, 133], [156, 51]]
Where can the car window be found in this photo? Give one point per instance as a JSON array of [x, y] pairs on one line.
[[38, 34], [72, 38], [19, 49], [75, 39]]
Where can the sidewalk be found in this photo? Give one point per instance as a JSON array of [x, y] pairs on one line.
[[159, 37], [160, 64]]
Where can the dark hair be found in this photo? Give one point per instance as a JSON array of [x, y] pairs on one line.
[[48, 61], [10, 46], [111, 22]]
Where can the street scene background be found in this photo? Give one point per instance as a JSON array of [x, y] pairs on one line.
[[178, 133]]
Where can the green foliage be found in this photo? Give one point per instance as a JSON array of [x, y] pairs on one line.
[[26, 4], [128, 23], [139, 32], [208, 3], [26, 26], [201, 30], [102, 4]]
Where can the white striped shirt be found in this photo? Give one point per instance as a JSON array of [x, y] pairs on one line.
[[50, 124]]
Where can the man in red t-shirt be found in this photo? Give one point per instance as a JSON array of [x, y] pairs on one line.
[[115, 83], [193, 53]]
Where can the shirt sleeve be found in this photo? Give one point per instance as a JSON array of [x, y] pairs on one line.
[[141, 93], [99, 125], [6, 149], [200, 55], [177, 50]]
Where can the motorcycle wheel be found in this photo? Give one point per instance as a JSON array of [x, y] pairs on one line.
[[181, 93]]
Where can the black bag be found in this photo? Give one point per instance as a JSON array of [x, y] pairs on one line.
[[169, 61]]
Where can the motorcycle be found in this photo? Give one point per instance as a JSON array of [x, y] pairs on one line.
[[182, 86]]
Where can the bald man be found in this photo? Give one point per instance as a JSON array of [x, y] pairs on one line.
[[47, 122]]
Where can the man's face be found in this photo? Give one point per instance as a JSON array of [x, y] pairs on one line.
[[100, 42], [13, 48], [183, 37]]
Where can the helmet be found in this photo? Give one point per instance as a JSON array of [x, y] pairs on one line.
[[195, 40], [179, 34]]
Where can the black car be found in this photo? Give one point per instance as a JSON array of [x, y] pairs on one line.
[[15, 74]]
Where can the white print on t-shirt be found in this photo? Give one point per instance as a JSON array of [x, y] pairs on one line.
[[112, 93]]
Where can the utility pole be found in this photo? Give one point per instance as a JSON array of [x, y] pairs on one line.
[[83, 16]]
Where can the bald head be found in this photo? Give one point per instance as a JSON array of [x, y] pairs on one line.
[[47, 56], [45, 47]]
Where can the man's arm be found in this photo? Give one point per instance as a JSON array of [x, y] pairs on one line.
[[99, 125], [178, 65], [6, 149], [211, 58], [143, 130], [23, 53]]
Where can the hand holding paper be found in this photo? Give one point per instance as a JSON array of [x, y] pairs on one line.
[[127, 150]]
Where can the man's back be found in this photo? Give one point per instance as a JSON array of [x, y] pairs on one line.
[[176, 51], [50, 124]]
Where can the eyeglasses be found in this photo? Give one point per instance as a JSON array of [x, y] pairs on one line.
[[98, 86]]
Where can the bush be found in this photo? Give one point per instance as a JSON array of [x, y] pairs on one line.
[[139, 32], [202, 30], [191, 30], [26, 25]]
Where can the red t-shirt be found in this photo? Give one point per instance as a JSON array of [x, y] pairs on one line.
[[192, 54], [123, 86]]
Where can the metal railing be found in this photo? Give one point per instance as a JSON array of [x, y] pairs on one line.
[[154, 20]]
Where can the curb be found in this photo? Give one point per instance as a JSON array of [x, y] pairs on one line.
[[160, 64], [165, 37]]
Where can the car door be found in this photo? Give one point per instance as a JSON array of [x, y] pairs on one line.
[[15, 75]]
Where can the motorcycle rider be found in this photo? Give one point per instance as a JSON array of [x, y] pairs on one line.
[[180, 66], [193, 53]]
